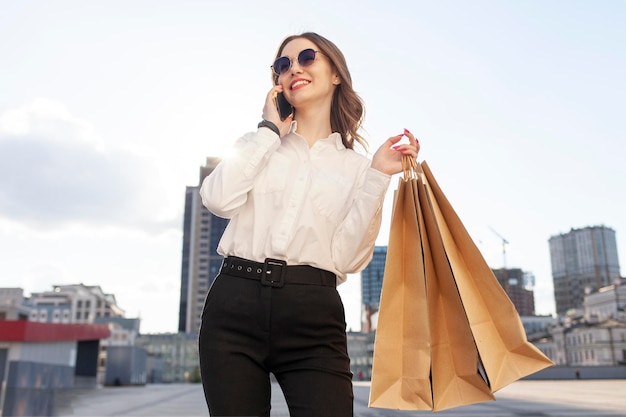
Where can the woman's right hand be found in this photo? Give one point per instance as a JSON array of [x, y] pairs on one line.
[[270, 112]]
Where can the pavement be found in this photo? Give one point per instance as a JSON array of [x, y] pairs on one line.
[[526, 398]]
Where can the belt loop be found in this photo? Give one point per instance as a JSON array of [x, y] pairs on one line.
[[274, 271]]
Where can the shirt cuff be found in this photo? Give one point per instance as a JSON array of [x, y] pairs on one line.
[[265, 141], [376, 182]]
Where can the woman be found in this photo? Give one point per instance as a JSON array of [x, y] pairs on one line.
[[304, 210]]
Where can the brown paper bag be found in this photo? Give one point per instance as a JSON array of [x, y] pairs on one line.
[[455, 363], [442, 311], [402, 345], [506, 354]]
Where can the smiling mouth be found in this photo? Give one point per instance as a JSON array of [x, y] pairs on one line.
[[300, 83]]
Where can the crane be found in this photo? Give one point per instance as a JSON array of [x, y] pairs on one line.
[[504, 268], [504, 243]]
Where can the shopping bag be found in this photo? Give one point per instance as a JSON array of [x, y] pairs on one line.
[[455, 362], [498, 331], [402, 345], [475, 341]]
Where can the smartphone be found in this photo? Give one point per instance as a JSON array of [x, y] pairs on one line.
[[284, 107]]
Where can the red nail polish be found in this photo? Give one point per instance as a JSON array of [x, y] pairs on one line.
[[406, 130]]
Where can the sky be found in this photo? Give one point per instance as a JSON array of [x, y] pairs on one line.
[[108, 110]]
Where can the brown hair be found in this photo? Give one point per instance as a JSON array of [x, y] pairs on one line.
[[346, 110]]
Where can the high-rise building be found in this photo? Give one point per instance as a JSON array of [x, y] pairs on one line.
[[583, 260], [372, 284], [200, 262], [518, 285]]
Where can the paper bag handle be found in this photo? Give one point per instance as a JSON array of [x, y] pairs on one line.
[[409, 167]]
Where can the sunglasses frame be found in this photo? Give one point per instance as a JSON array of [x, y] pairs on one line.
[[291, 60]]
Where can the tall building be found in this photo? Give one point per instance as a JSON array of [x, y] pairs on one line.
[[518, 285], [371, 285], [583, 261], [200, 262]]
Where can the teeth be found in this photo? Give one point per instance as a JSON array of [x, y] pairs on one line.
[[301, 82]]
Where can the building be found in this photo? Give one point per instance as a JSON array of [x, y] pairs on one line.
[[86, 304], [583, 261], [175, 355], [361, 352], [119, 351], [607, 303], [371, 286], [583, 343], [200, 261], [41, 361], [595, 336], [13, 305], [518, 285], [76, 303]]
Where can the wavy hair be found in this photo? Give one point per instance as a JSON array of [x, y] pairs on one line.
[[347, 109]]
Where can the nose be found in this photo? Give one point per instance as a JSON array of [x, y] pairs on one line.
[[295, 67]]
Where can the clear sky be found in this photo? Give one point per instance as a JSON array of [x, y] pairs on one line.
[[108, 110]]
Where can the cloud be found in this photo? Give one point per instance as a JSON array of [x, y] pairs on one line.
[[55, 171]]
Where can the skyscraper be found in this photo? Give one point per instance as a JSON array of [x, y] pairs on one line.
[[583, 260], [200, 262], [372, 284]]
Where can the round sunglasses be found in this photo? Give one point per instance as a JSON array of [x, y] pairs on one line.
[[305, 58]]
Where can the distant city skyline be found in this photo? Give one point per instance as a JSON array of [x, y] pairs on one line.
[[107, 109]]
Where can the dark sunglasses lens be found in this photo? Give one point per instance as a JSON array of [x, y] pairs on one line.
[[282, 65], [306, 57]]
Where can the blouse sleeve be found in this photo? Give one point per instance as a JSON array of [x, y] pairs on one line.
[[354, 239], [226, 189]]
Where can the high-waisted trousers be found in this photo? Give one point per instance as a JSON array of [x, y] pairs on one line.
[[296, 331]]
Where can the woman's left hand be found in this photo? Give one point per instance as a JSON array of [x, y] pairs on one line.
[[388, 158]]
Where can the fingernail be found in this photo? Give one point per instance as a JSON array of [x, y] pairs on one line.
[[395, 147], [406, 130]]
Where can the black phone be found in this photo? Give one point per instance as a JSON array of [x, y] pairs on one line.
[[285, 109]]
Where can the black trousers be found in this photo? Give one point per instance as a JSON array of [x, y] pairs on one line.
[[297, 332]]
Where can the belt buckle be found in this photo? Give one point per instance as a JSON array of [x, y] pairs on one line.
[[274, 271]]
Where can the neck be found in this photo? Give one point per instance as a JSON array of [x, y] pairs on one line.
[[314, 123]]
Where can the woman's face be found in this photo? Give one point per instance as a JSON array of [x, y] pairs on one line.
[[310, 85]]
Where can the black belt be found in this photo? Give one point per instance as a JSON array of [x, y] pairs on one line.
[[276, 273]]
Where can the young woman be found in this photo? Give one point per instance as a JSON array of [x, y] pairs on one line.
[[305, 211]]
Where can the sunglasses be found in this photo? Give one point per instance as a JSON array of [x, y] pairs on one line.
[[305, 58]]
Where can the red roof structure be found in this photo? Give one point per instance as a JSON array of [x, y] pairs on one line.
[[30, 331]]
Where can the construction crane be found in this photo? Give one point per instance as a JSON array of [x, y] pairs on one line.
[[505, 271], [504, 243]]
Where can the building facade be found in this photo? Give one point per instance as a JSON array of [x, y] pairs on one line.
[[74, 303], [13, 305], [518, 285], [607, 303], [583, 261], [371, 286], [176, 354], [200, 262]]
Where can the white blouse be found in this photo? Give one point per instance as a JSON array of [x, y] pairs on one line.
[[319, 206]]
